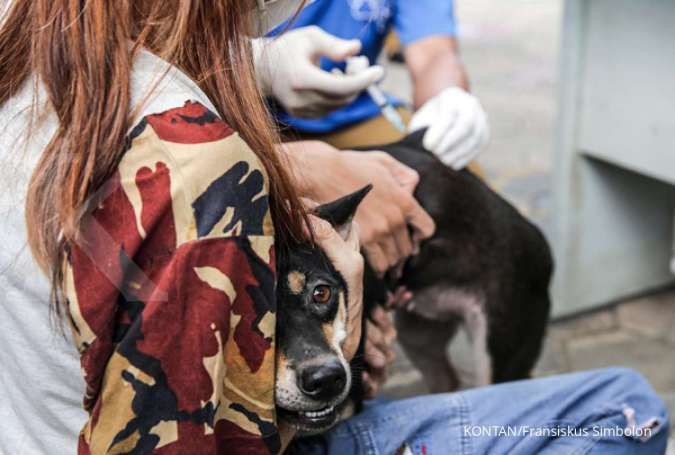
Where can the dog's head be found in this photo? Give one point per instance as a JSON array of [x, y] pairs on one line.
[[313, 376]]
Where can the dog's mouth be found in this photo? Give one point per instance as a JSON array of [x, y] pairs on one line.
[[310, 421]]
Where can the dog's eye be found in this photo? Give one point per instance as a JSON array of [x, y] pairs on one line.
[[321, 294]]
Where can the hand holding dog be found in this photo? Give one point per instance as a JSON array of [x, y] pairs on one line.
[[384, 217], [346, 258], [379, 352], [381, 336]]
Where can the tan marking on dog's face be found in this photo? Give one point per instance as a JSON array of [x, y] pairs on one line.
[[282, 361], [328, 332], [341, 320], [296, 282]]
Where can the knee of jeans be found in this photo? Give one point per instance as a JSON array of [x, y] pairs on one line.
[[630, 384], [634, 384], [628, 377]]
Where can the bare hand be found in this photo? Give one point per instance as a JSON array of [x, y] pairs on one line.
[[379, 352], [346, 258], [384, 217], [399, 298]]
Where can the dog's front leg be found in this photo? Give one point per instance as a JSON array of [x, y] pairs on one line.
[[425, 343]]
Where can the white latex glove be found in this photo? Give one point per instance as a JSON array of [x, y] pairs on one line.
[[287, 68], [457, 126]]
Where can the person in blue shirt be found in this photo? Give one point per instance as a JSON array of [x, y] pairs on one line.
[[316, 103]]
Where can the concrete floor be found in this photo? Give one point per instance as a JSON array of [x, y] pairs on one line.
[[510, 49]]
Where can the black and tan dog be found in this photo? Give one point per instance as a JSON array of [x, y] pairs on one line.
[[313, 377], [486, 268]]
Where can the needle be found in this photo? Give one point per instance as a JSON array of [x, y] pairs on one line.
[[357, 64], [389, 112]]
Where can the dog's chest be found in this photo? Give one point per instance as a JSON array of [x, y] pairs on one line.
[[440, 303]]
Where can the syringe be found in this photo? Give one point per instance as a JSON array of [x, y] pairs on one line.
[[357, 64]]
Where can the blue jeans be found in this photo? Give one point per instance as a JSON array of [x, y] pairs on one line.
[[609, 411]]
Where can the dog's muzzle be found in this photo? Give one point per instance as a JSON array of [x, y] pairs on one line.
[[311, 395], [323, 382]]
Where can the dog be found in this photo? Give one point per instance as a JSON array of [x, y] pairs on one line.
[[486, 269], [314, 379]]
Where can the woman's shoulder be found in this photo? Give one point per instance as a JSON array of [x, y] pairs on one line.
[[170, 107], [157, 86], [183, 148]]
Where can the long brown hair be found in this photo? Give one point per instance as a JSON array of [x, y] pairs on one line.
[[81, 50]]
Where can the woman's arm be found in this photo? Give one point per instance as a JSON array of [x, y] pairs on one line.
[[171, 294], [385, 216]]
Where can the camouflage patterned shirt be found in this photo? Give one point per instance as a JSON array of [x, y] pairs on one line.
[[171, 295]]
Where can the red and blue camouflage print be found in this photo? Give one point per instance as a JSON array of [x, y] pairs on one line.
[[171, 295]]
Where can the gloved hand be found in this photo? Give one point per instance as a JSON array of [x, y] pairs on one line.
[[457, 126], [287, 68]]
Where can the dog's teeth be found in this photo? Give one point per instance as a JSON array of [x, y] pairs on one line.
[[319, 413]]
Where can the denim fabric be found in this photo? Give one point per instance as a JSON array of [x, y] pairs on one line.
[[579, 413]]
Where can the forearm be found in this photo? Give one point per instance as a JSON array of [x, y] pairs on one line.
[[435, 64], [306, 160]]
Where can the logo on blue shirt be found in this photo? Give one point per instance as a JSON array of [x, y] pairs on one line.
[[377, 11]]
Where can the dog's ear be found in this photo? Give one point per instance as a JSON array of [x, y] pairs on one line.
[[340, 213]]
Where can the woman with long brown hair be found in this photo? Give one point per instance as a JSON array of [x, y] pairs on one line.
[[140, 175], [139, 167]]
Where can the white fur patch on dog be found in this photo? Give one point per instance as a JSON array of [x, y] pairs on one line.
[[340, 324], [476, 326], [443, 304], [339, 335]]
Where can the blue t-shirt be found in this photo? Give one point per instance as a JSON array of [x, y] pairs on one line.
[[369, 21]]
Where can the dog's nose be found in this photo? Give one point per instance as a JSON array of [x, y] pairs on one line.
[[323, 382]]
